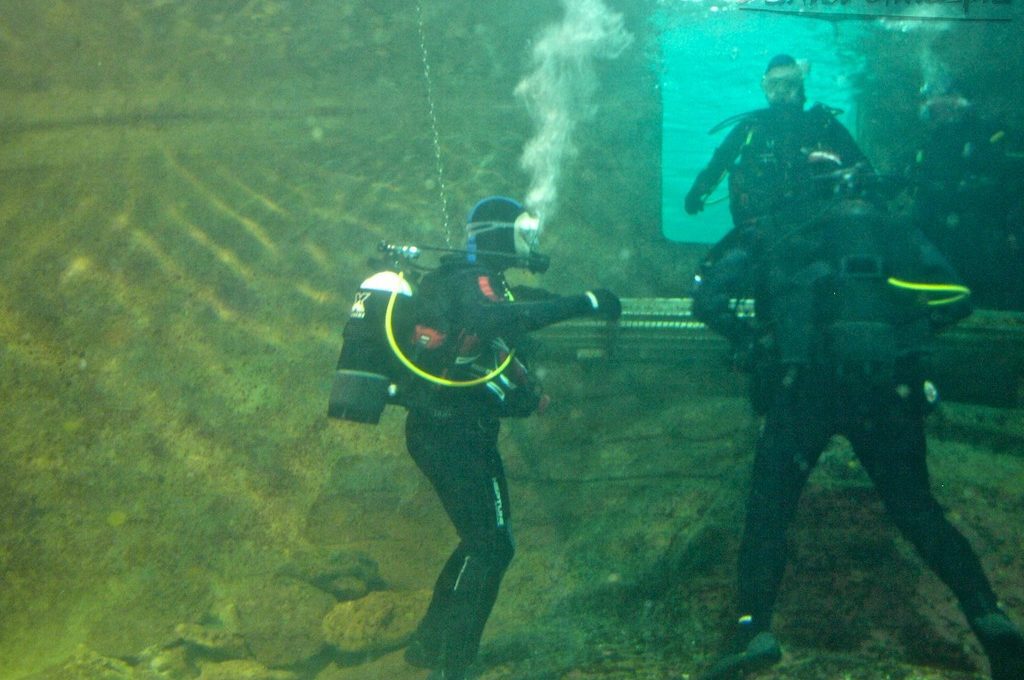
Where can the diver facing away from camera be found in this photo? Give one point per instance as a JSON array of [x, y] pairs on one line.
[[847, 304]]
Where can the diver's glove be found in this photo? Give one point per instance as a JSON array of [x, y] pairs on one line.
[[605, 303], [694, 202]]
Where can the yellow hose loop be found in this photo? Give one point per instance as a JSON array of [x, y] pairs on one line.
[[436, 379], [957, 292]]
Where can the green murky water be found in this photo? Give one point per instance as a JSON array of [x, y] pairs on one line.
[[191, 191]]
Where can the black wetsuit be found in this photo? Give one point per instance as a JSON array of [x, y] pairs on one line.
[[452, 435], [459, 455]]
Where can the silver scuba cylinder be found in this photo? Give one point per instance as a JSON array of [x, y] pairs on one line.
[[364, 379]]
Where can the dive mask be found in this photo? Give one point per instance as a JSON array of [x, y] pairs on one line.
[[784, 85]]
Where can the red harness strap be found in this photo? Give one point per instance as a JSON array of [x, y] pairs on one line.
[[484, 282]]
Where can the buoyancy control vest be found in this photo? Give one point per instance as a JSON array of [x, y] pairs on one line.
[[400, 347], [779, 156], [447, 342]]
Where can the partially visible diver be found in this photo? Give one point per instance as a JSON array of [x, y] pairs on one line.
[[847, 305], [459, 339], [968, 187]]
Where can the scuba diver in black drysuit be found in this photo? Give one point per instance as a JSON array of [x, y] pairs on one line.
[[464, 326], [847, 304]]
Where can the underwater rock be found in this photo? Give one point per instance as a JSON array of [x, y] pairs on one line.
[[242, 670], [380, 622], [345, 574], [212, 641], [87, 665], [153, 600], [168, 662], [280, 619], [332, 672]]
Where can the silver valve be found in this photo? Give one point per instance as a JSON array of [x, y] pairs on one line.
[[407, 252]]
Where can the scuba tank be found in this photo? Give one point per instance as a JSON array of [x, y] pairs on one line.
[[365, 379], [861, 338]]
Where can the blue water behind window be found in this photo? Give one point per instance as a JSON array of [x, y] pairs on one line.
[[712, 67]]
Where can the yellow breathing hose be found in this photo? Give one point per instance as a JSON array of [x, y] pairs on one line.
[[436, 379], [956, 292]]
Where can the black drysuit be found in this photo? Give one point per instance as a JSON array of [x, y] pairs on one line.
[[809, 392], [452, 435], [887, 435]]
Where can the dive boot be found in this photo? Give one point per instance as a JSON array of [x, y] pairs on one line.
[[1003, 645], [762, 651]]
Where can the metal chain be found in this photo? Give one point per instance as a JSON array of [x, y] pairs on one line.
[[442, 190]]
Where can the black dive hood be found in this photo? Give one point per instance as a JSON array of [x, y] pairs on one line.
[[534, 262]]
